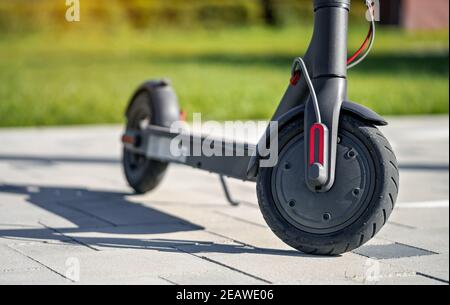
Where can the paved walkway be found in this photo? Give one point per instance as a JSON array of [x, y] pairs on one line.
[[67, 215]]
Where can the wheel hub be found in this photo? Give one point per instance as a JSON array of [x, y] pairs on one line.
[[324, 213]]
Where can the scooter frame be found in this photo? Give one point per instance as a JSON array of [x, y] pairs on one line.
[[326, 61]]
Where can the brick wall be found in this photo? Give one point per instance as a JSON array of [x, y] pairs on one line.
[[425, 14]]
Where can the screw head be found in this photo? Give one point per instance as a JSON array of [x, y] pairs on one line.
[[292, 203], [327, 217], [351, 154], [356, 192]]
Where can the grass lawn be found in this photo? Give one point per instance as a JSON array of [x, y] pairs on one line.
[[80, 77]]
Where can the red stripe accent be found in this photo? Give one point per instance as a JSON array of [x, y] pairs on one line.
[[361, 49], [312, 144]]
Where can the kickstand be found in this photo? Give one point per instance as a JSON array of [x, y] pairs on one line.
[[226, 190]]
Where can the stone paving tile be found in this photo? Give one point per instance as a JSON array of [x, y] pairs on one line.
[[437, 218], [241, 231], [435, 240], [435, 266], [78, 190], [211, 276], [147, 237], [407, 279], [99, 266], [391, 251], [84, 140], [34, 277], [423, 133], [120, 211], [433, 185], [197, 185], [297, 268], [88, 176], [12, 260], [15, 235], [244, 213], [16, 268], [139, 280], [65, 177], [39, 210], [42, 193]]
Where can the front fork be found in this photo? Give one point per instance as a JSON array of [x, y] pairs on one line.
[[321, 140], [326, 61]]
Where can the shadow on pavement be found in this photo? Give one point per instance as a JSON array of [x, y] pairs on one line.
[[114, 215]]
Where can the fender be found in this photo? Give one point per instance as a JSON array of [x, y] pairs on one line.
[[350, 108], [164, 102]]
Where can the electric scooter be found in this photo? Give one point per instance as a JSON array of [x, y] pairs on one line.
[[336, 179]]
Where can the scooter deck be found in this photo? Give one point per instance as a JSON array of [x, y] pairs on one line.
[[226, 158]]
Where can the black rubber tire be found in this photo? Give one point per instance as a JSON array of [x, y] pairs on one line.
[[142, 174], [364, 228]]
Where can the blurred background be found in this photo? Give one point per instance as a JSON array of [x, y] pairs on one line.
[[228, 59]]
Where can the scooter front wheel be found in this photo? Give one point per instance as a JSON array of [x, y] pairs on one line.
[[352, 212]]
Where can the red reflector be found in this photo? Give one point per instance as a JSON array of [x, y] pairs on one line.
[[128, 139], [295, 78], [183, 115], [317, 130]]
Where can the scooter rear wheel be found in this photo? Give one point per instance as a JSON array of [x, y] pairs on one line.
[[142, 174], [352, 212]]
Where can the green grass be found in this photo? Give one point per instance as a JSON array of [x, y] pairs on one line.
[[84, 77]]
